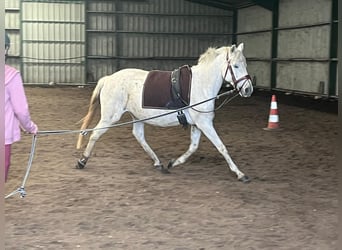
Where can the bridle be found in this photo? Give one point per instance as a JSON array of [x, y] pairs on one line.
[[235, 81]]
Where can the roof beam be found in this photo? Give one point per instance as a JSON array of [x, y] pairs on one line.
[[218, 4], [267, 4], [235, 4]]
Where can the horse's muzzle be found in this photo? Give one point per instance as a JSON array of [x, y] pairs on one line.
[[246, 89]]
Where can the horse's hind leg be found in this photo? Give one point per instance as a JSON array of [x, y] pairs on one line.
[[210, 133], [195, 139], [139, 134], [98, 131]]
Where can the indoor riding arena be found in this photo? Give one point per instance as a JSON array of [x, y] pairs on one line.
[[283, 136]]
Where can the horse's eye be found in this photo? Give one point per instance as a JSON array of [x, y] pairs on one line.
[[235, 66]]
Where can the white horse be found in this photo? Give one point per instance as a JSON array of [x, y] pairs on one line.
[[122, 92]]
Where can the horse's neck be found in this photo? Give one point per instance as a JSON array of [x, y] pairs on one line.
[[207, 79]]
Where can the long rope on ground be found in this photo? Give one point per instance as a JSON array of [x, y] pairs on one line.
[[21, 189]]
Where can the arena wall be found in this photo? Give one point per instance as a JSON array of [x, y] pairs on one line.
[[290, 47], [294, 47]]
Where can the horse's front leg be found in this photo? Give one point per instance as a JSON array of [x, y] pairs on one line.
[[195, 139], [96, 134], [209, 131], [139, 134]]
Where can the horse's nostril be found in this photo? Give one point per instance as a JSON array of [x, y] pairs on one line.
[[248, 90]]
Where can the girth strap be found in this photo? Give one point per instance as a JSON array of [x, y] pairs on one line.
[[176, 96], [175, 85]]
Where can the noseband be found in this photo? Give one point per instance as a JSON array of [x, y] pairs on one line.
[[235, 81]]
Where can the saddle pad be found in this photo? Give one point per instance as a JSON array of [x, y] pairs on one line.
[[157, 92]]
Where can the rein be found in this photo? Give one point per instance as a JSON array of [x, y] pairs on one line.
[[225, 101], [235, 81], [85, 131], [21, 189]]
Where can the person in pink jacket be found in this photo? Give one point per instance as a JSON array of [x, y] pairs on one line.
[[17, 115]]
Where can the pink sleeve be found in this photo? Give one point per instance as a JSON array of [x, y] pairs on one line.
[[20, 105]]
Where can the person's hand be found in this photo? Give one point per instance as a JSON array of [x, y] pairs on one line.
[[35, 130]]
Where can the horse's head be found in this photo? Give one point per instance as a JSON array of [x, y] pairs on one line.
[[235, 71]]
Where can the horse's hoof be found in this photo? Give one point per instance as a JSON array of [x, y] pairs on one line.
[[162, 169], [170, 164], [159, 167], [80, 164], [245, 179]]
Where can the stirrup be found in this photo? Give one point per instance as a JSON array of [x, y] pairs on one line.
[[182, 119]]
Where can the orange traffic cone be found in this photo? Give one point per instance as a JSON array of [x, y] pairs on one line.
[[273, 120]]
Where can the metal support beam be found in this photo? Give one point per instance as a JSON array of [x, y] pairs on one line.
[[234, 29], [333, 48], [267, 4], [21, 53], [274, 49], [217, 4], [118, 38], [86, 35]]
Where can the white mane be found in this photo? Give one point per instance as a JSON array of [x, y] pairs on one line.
[[211, 54]]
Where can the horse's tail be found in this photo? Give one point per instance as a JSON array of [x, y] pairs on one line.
[[94, 103]]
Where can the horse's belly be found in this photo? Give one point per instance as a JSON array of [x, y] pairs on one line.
[[159, 117], [156, 117]]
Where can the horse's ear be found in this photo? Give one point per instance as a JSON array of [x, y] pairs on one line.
[[240, 47], [232, 48]]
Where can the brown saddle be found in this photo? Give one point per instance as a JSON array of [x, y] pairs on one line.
[[167, 89]]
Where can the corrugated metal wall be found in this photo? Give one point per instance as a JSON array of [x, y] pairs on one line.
[[154, 34], [301, 46], [254, 30], [53, 42], [12, 25], [309, 43], [79, 41]]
